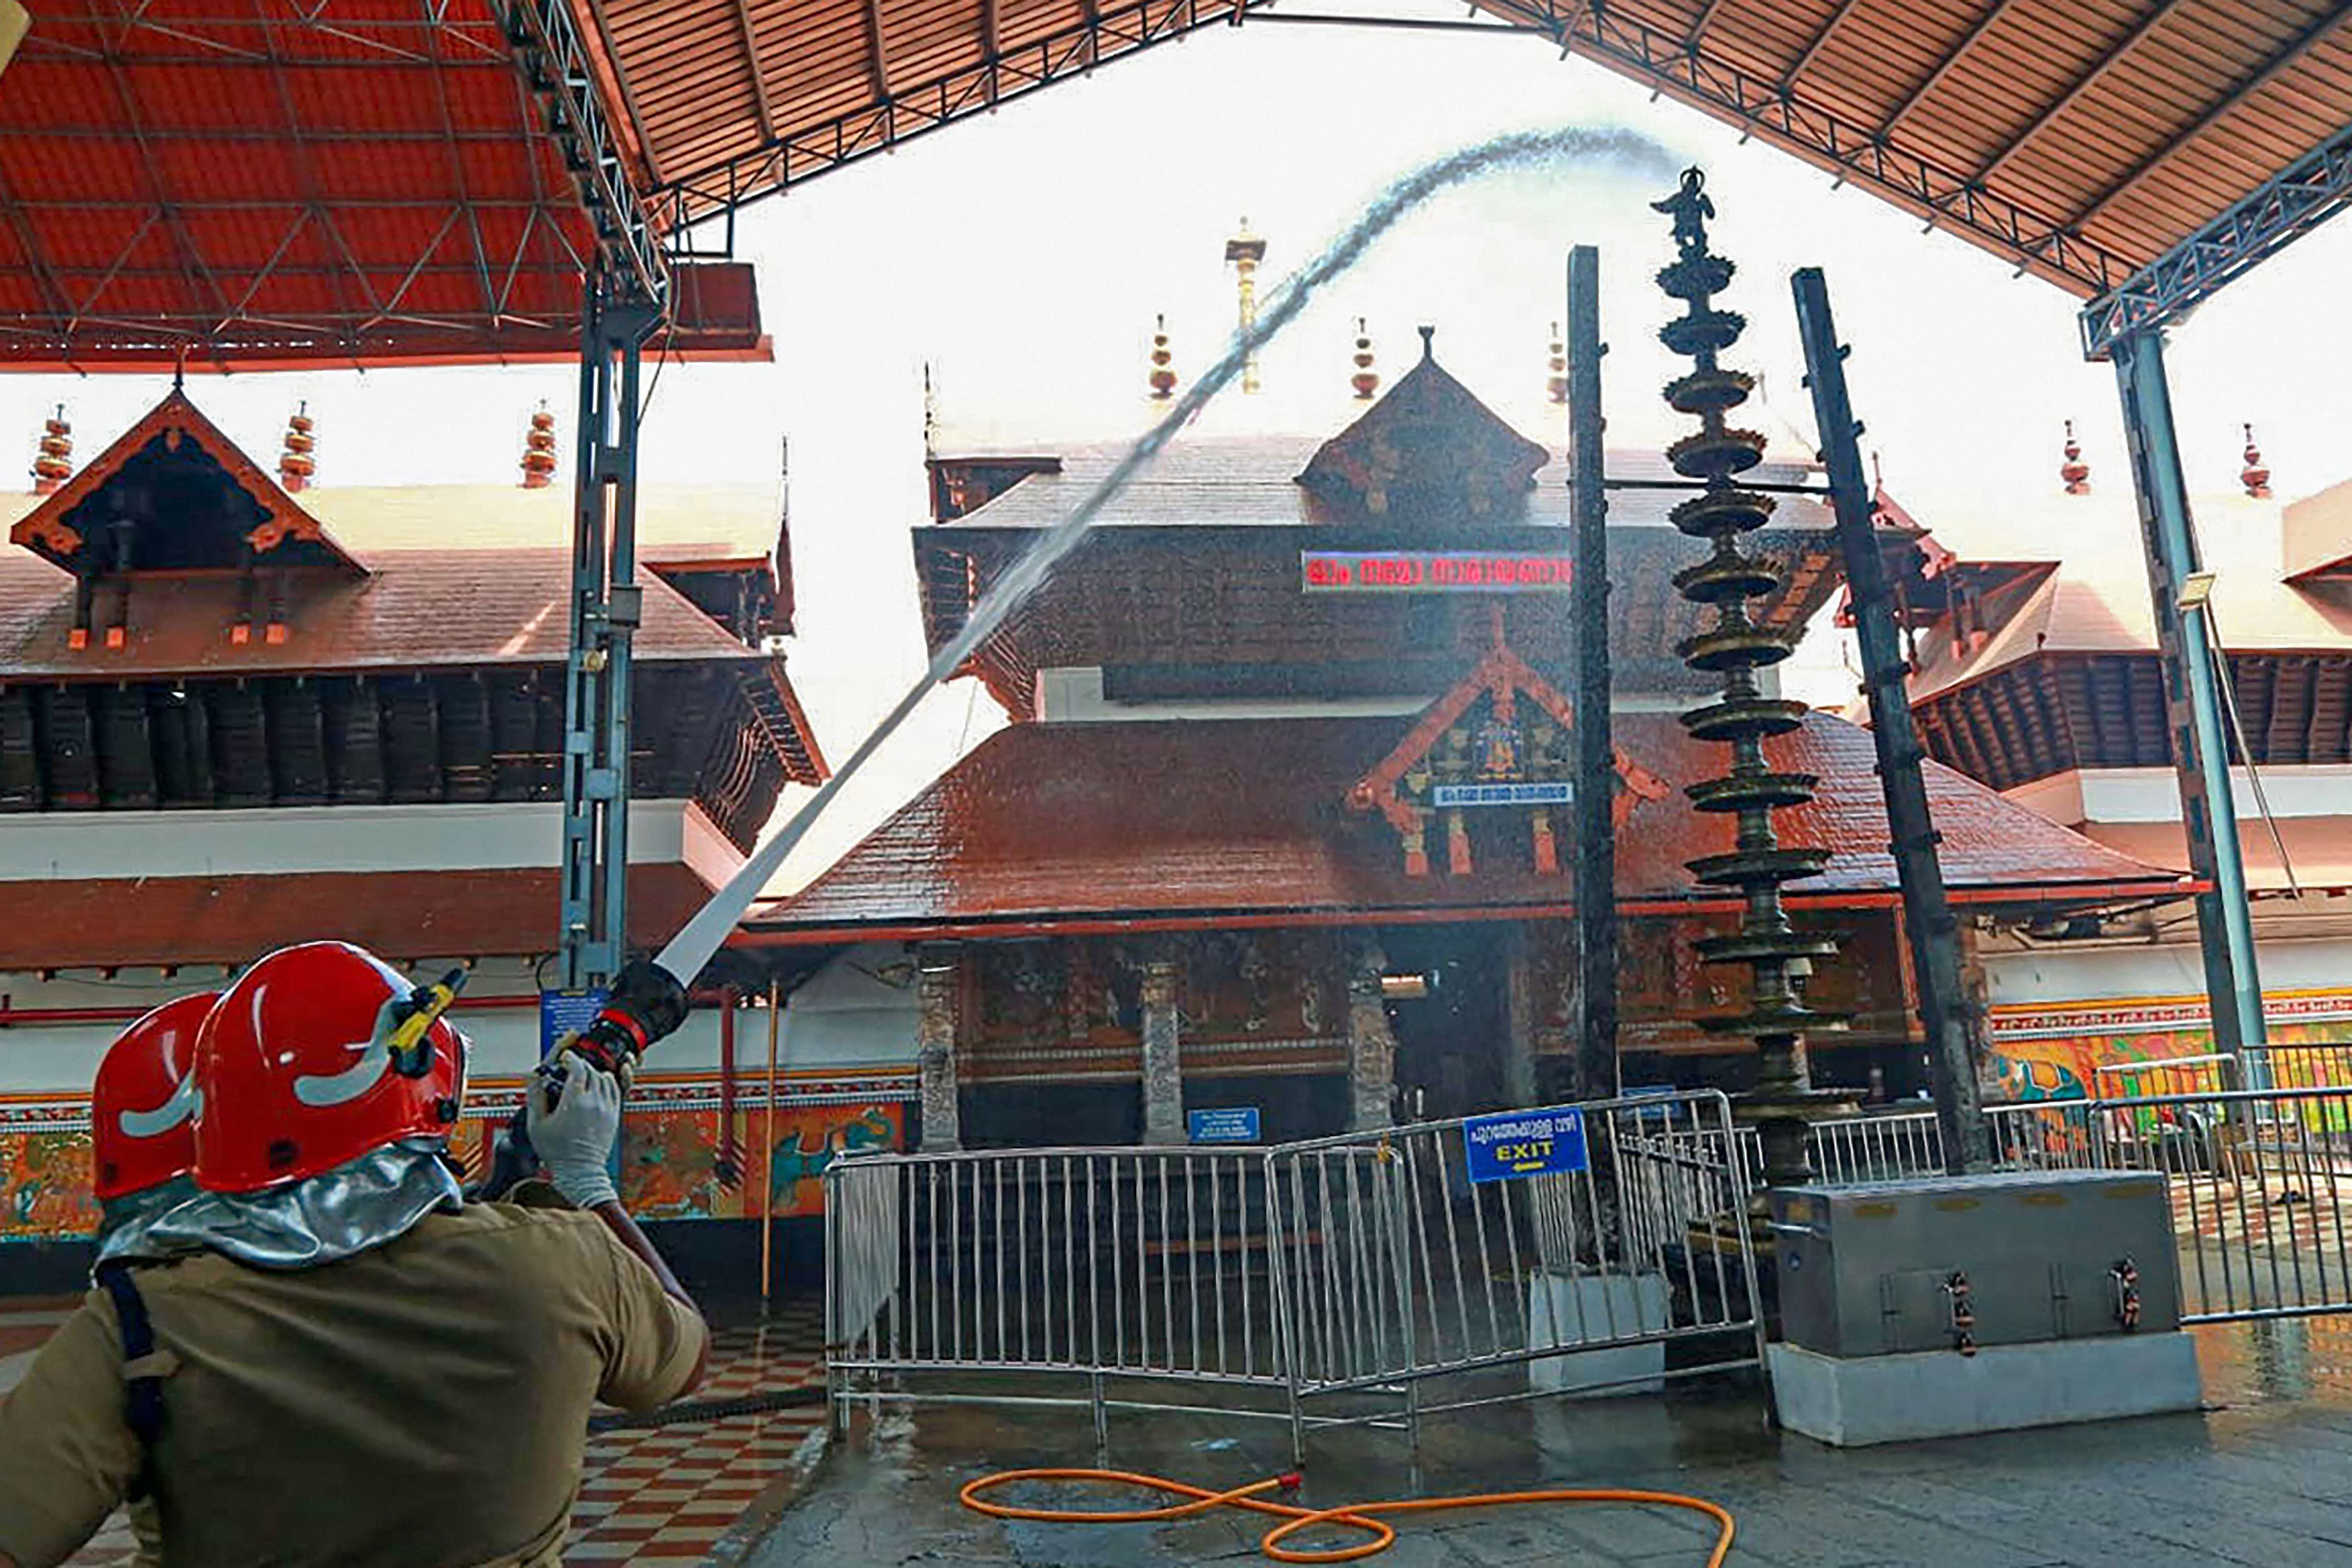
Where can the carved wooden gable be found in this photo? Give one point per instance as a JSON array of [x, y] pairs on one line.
[[175, 494], [1500, 744], [1428, 456]]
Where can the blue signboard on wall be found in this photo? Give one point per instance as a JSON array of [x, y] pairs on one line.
[[1235, 1125], [1518, 1143]]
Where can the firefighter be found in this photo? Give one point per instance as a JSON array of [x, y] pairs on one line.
[[334, 1358], [142, 1119]]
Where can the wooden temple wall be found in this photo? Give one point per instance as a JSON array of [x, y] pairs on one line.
[[1160, 1023]]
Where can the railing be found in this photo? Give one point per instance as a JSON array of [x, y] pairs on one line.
[[1401, 1265], [1133, 1263], [1355, 1266], [2258, 1181]]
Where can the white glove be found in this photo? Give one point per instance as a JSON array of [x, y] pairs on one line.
[[574, 1137]]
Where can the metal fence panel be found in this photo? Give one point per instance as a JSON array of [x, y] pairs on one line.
[[1134, 1262], [1397, 1267], [2258, 1182]]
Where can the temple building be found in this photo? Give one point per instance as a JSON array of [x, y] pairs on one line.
[[2035, 672], [239, 710], [1280, 824]]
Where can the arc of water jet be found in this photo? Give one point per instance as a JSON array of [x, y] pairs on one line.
[[1634, 152]]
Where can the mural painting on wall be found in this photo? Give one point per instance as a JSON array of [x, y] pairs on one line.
[[1074, 1008], [2067, 1066], [670, 1159], [1662, 987], [44, 1186], [1262, 986]]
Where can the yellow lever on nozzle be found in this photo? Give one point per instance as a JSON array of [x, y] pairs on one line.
[[410, 1055]]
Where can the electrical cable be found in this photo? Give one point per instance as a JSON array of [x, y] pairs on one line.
[[1365, 1517]]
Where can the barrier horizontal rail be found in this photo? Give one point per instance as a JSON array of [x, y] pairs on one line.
[[1131, 1262], [2258, 1179], [1419, 1271], [996, 1272]]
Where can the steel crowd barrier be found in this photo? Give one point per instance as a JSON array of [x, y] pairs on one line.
[[1323, 1282]]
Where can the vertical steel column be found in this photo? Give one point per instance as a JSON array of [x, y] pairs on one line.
[[2192, 672], [1929, 925], [606, 604], [1596, 750]]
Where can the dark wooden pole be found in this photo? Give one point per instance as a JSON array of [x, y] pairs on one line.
[[1596, 751], [1928, 919]]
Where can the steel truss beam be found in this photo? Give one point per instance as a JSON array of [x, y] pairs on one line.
[[1947, 198], [555, 64], [2311, 190], [1108, 32]]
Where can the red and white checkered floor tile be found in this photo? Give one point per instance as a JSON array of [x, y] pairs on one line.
[[668, 1493]]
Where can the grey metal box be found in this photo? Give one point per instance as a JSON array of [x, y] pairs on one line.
[[1863, 1270]]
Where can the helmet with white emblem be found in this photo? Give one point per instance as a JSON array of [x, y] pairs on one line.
[[144, 1101], [301, 1068]]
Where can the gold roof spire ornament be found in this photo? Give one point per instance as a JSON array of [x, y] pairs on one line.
[[298, 462], [2074, 472], [538, 451], [2254, 476], [1163, 362], [1555, 369], [1367, 380], [53, 462], [1245, 250]]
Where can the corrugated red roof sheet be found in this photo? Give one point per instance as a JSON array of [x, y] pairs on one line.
[[1207, 821], [122, 922], [2079, 139], [261, 183]]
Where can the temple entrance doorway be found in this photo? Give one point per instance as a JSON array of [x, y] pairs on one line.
[[1449, 1008]]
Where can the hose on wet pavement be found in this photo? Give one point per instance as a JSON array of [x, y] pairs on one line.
[[1364, 1517]]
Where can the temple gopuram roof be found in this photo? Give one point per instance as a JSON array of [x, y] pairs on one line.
[[1197, 562], [2036, 644], [1180, 824], [179, 630]]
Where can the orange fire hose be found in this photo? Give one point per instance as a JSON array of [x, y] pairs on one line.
[[1360, 1516]]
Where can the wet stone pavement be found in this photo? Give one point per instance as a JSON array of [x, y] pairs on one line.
[[2264, 1476]]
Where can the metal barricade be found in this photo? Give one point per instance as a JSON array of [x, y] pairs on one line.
[[1024, 1269], [2259, 1182], [1851, 1150], [1400, 1270]]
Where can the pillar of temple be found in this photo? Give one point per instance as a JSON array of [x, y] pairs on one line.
[[1371, 1047], [935, 1042], [1520, 1087], [1163, 1072]]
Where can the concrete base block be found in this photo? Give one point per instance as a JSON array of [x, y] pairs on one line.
[[1852, 1402], [1569, 1309]]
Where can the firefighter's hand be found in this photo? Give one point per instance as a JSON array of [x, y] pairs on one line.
[[574, 1136]]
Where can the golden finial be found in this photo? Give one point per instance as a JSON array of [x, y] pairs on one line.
[[53, 464], [1163, 362], [538, 451], [297, 464]]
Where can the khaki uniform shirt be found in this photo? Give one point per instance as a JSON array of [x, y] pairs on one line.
[[421, 1404]]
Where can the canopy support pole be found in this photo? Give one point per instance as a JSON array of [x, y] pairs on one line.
[[2192, 700], [606, 604]]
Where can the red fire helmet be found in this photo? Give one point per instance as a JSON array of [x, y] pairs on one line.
[[298, 1072], [142, 1107]]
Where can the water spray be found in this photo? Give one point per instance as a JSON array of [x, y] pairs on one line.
[[1626, 150]]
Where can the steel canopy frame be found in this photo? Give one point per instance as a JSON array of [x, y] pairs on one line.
[[2273, 215]]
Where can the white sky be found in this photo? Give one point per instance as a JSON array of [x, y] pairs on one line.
[[1024, 254]]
